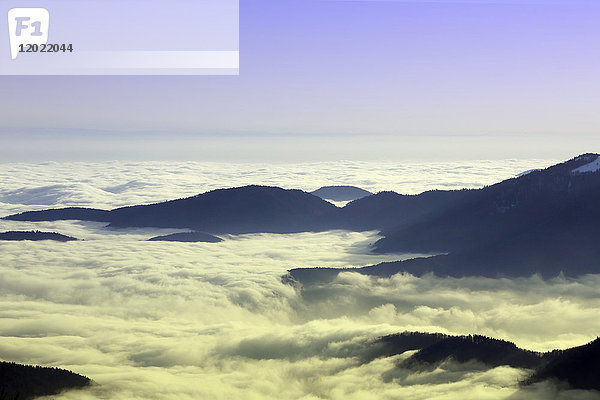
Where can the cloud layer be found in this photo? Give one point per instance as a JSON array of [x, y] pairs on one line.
[[165, 320], [27, 186]]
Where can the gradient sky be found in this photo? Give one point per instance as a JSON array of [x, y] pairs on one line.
[[316, 73]]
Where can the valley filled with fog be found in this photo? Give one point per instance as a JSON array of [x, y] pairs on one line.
[[168, 320]]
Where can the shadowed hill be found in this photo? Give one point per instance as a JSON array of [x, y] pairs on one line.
[[387, 210], [392, 345], [238, 210], [190, 237], [24, 382], [539, 206], [545, 222], [63, 214], [341, 193], [462, 349], [261, 209], [578, 366], [541, 222], [35, 235], [547, 263]]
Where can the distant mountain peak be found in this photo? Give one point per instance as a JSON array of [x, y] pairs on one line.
[[247, 189], [341, 193], [586, 157]]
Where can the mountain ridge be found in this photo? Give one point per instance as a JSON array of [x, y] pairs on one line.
[[577, 366], [540, 222]]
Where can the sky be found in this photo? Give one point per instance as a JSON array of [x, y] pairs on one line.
[[320, 81], [341, 80]]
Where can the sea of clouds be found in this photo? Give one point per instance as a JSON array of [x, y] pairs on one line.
[[164, 320]]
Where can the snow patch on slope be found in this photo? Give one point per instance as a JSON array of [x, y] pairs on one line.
[[590, 167]]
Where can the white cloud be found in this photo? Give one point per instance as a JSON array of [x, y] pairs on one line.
[[27, 186], [162, 320]]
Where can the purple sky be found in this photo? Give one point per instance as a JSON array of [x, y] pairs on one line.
[[528, 70]]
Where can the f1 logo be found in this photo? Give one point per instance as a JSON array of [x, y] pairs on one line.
[[27, 26]]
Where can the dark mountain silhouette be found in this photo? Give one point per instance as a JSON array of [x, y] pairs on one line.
[[492, 264], [391, 345], [541, 222], [489, 351], [24, 382], [384, 210], [434, 348], [62, 214], [187, 237], [544, 222], [387, 210], [538, 206], [34, 235], [261, 209], [239, 210], [341, 193], [578, 366]]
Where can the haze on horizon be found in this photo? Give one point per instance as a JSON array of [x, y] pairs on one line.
[[328, 80]]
